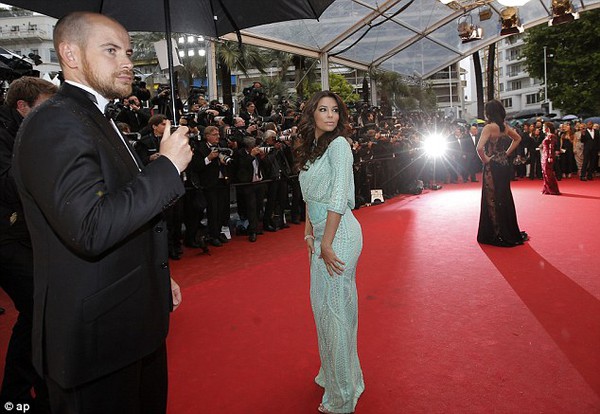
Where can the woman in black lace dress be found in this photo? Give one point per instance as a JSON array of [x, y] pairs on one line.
[[498, 219]]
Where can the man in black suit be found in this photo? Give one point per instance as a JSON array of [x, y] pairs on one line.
[[102, 288], [213, 178], [148, 147], [249, 170], [591, 143], [133, 115], [469, 160], [16, 257]]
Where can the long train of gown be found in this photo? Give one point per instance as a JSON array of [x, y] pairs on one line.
[[328, 185]]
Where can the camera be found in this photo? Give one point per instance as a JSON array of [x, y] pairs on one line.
[[266, 149], [225, 155]]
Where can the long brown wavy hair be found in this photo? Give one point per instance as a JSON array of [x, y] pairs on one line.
[[306, 150]]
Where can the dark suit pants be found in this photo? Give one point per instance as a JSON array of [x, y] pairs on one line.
[[139, 388], [194, 204], [588, 166], [535, 168], [217, 199], [254, 195], [16, 278], [275, 203]]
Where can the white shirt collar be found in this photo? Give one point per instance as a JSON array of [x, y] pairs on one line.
[[101, 101]]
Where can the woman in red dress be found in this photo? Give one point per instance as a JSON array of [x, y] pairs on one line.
[[548, 157]]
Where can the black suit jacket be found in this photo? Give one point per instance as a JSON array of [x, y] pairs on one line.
[[102, 290], [208, 174], [590, 144], [147, 145], [244, 167], [135, 119], [467, 146]]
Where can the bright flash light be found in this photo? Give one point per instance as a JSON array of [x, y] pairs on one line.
[[435, 145]]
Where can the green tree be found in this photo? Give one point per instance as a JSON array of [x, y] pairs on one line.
[[337, 84], [572, 57], [231, 56], [397, 92]]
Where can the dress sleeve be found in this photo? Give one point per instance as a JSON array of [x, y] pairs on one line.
[[342, 180]]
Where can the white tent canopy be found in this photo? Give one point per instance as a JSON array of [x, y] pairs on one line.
[[411, 37]]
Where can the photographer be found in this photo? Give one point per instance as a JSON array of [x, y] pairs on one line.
[[16, 255], [210, 164], [256, 95], [194, 202], [132, 114], [248, 171], [162, 101], [277, 169], [140, 90], [205, 115], [148, 145], [250, 116]]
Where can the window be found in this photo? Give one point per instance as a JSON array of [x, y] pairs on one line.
[[35, 51], [501, 72], [533, 98], [514, 85], [53, 57], [513, 54], [501, 87], [507, 102], [514, 70]]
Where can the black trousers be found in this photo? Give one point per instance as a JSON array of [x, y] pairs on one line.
[[590, 161], [217, 202], [535, 168], [16, 278], [254, 195], [276, 201], [139, 388], [194, 204]]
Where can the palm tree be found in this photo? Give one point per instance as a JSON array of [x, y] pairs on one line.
[[232, 56]]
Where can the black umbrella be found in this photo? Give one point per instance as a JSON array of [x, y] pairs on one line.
[[211, 18]]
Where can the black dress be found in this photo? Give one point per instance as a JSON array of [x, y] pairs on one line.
[[498, 218]]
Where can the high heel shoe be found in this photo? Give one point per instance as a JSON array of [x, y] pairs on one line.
[[326, 411]]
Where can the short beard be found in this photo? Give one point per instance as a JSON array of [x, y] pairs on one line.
[[106, 89]]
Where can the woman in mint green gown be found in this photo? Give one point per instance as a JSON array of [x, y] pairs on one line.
[[334, 241]]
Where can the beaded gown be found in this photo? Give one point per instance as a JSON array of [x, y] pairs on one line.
[[548, 158], [328, 185], [498, 218]]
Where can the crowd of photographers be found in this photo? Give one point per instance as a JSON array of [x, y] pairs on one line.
[[245, 160]]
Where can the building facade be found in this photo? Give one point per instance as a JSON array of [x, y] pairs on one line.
[[520, 94], [29, 35]]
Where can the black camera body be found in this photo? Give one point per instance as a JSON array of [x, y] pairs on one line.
[[225, 155]]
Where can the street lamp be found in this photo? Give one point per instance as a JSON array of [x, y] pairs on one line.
[[546, 100]]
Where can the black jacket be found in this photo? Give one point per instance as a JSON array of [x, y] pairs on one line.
[[12, 219], [101, 277]]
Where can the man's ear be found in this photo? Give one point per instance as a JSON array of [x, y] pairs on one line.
[[23, 106], [69, 54]]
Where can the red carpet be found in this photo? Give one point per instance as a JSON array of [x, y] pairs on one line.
[[446, 325]]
